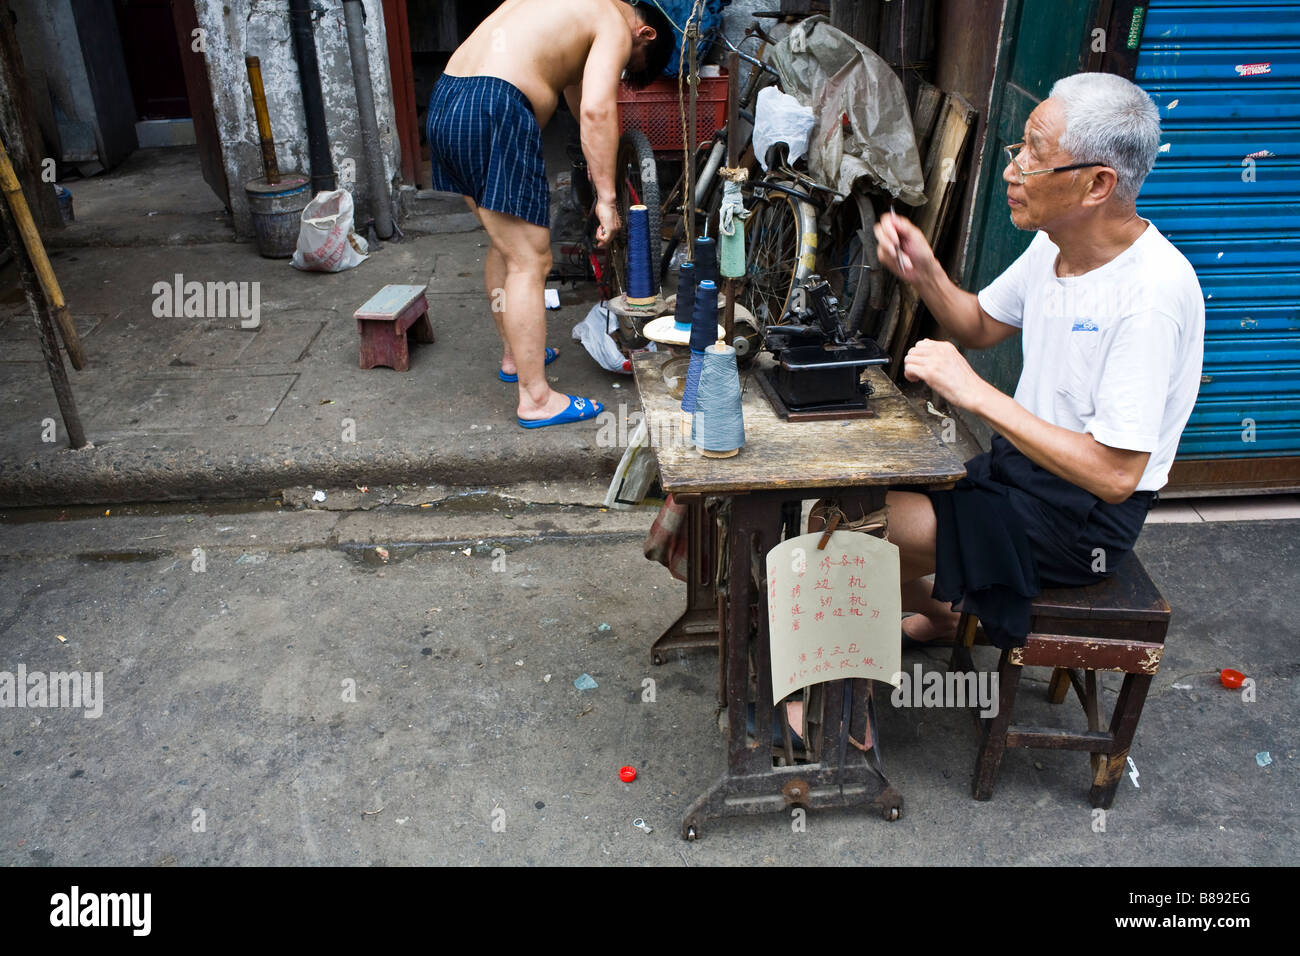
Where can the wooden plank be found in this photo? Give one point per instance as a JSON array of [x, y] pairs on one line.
[[859, 19], [929, 98], [389, 301], [110, 87], [1046, 739], [1129, 595], [895, 448], [943, 162], [198, 89], [401, 74], [1236, 474], [1091, 653]]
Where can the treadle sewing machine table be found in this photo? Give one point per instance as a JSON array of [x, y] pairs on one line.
[[783, 463]]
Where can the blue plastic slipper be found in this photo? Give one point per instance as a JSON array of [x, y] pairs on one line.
[[580, 409], [551, 356]]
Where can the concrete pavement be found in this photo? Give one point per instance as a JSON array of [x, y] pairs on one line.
[[309, 702]]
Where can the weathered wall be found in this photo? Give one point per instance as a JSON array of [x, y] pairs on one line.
[[57, 74], [261, 28]]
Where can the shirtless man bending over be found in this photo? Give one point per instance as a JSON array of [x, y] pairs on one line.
[[484, 130]]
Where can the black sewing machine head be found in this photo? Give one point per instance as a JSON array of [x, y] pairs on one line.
[[818, 363]]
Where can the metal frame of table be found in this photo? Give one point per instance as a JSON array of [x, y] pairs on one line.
[[854, 462]]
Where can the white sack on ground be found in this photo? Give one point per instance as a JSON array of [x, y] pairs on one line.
[[326, 242]]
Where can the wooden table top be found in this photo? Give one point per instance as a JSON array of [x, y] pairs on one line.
[[897, 447]]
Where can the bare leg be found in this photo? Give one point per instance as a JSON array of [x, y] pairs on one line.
[[912, 526], [525, 249], [494, 283], [494, 277]]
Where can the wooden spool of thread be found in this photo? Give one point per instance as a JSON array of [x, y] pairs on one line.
[[640, 290]]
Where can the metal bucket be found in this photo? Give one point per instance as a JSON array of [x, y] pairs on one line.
[[277, 212]]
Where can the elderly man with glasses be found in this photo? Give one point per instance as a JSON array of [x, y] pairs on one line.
[[1112, 324]]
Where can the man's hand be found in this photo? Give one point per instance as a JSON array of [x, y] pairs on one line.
[[902, 248], [610, 224], [945, 370]]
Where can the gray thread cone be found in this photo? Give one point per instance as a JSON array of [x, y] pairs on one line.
[[719, 423]]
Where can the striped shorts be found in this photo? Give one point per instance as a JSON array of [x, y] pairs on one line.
[[485, 143]]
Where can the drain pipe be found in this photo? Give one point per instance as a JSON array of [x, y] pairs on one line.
[[380, 201], [313, 103]]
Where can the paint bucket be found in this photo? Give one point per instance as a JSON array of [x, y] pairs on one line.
[[277, 212]]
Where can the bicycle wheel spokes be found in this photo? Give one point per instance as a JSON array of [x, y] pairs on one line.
[[849, 264], [773, 245]]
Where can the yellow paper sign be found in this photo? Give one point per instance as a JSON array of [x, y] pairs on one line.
[[834, 613]]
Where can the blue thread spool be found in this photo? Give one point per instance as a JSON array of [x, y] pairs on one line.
[[718, 429], [704, 331], [706, 259], [685, 313], [704, 327], [640, 291]]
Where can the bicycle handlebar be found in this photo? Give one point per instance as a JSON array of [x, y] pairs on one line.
[[752, 60]]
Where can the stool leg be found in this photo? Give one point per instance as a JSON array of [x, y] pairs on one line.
[[370, 355], [993, 739], [1059, 685], [1123, 725], [401, 354], [423, 330], [960, 659]]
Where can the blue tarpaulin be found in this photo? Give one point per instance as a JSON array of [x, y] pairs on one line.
[[678, 11]]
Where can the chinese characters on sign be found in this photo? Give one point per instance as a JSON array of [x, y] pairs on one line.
[[834, 613]]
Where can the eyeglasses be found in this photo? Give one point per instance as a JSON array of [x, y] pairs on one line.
[[1014, 150]]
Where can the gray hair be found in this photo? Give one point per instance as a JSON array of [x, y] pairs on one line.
[[1112, 121]]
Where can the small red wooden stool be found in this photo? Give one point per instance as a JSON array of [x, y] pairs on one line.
[[384, 321]]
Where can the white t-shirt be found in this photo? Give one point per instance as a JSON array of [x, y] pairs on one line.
[[1114, 353]]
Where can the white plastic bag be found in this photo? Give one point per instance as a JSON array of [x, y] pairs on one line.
[[779, 118], [326, 242], [593, 333]]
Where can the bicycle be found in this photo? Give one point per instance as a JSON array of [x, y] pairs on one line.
[[784, 245], [784, 232]]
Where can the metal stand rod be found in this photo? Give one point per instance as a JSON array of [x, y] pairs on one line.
[[692, 134], [49, 343], [733, 160]]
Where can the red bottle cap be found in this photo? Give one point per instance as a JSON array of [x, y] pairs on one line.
[[1231, 679], [627, 774]]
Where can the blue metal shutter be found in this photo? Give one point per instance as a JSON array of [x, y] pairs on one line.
[[1226, 77]]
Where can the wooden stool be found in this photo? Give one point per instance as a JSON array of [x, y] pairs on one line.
[[384, 322], [1118, 624]]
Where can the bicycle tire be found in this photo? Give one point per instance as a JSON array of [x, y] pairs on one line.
[[635, 171], [780, 253], [849, 262]]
